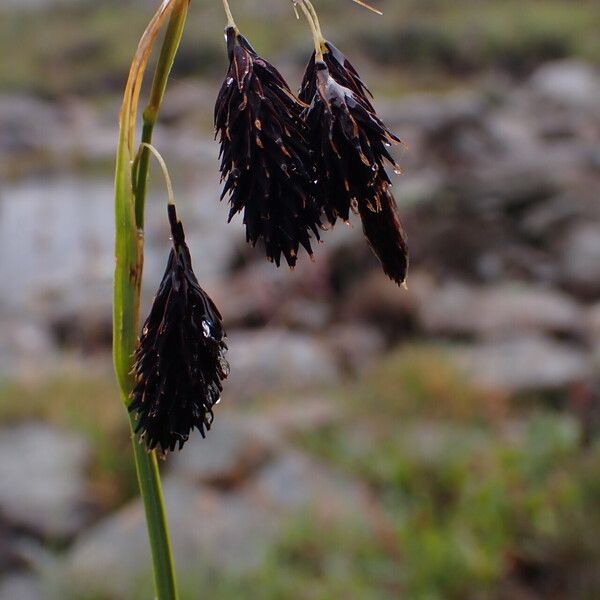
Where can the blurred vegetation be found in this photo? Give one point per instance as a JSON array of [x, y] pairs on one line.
[[85, 48], [479, 495], [484, 496], [89, 405], [481, 500]]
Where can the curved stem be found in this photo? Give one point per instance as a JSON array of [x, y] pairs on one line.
[[230, 20], [315, 18], [368, 7], [314, 27], [163, 166]]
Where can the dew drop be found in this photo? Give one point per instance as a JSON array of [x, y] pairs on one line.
[[225, 368], [206, 330]]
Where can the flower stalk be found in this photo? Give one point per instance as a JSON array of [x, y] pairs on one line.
[[130, 192], [286, 162], [230, 20]]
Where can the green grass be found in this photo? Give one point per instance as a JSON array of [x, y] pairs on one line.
[[458, 39], [85, 49]]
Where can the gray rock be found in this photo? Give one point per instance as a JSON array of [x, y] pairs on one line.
[[457, 309], [65, 254], [593, 331], [357, 346], [61, 271], [511, 128], [545, 220], [304, 315], [423, 187], [25, 345], [301, 415], [43, 484], [234, 448], [275, 359], [379, 301], [593, 322], [27, 553], [209, 530], [525, 364], [580, 260], [434, 113], [568, 82], [27, 124], [22, 587], [294, 482], [516, 181]]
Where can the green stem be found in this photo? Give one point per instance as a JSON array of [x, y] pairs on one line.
[[130, 193], [150, 115], [158, 533]]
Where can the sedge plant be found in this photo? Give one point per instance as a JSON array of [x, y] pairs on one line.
[[293, 165]]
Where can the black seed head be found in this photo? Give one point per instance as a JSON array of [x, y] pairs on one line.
[[350, 147], [179, 362], [265, 156]]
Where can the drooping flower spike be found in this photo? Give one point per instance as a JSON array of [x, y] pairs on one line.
[[350, 148], [265, 156], [179, 362]]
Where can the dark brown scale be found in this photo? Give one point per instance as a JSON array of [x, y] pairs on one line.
[[265, 156], [383, 230]]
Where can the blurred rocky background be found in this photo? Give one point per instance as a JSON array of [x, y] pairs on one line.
[[439, 442]]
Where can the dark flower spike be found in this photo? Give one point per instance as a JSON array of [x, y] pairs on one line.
[[351, 145], [350, 148], [265, 156], [179, 362]]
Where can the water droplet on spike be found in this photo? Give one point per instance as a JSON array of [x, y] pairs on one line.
[[225, 368], [206, 329]]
